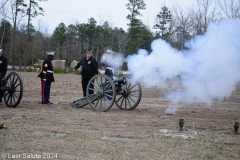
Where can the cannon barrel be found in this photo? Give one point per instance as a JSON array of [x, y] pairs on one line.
[[116, 82], [121, 80]]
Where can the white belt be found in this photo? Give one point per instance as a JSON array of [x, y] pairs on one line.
[[112, 69], [109, 68], [49, 71]]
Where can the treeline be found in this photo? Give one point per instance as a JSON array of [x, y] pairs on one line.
[[23, 44]]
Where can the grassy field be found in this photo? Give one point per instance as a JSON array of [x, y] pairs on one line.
[[58, 131]]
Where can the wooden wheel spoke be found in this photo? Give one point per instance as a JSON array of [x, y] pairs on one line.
[[13, 95]]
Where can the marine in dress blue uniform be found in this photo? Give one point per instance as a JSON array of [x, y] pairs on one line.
[[109, 70], [47, 78]]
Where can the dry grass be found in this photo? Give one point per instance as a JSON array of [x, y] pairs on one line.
[[84, 128]]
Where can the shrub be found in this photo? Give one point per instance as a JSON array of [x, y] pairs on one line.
[[70, 70], [29, 70], [20, 70], [59, 70], [78, 72], [120, 74]]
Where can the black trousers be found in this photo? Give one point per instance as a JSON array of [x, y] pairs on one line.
[[84, 86], [1, 95], [46, 86], [1, 92]]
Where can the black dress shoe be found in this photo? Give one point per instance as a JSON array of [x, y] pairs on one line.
[[49, 103]]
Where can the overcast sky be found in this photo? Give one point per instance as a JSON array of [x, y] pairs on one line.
[[114, 11]]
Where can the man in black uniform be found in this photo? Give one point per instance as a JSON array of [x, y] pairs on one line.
[[89, 69], [47, 78], [3, 71]]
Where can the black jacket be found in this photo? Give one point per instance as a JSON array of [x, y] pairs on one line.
[[3, 65], [47, 71], [89, 67]]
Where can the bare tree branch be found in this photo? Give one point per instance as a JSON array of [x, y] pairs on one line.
[[230, 8], [3, 3]]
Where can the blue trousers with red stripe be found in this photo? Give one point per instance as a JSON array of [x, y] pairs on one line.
[[45, 92]]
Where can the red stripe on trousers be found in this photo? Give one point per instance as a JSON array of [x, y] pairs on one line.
[[43, 90]]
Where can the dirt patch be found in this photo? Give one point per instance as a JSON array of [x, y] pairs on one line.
[[85, 130]]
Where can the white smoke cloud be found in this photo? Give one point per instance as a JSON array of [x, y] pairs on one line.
[[209, 70], [114, 59]]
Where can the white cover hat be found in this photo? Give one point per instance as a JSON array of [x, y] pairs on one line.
[[109, 51], [50, 53]]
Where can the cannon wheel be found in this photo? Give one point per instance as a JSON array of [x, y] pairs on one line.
[[13, 96], [129, 97], [103, 96]]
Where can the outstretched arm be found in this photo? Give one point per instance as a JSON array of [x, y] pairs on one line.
[[77, 66]]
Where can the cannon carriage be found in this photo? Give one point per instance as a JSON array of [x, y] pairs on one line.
[[103, 92], [12, 86]]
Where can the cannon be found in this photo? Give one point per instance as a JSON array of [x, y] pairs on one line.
[[12, 87], [102, 92]]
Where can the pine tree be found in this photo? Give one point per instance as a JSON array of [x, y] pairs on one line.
[[162, 21]]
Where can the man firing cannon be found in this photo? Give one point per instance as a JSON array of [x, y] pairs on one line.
[[108, 89]]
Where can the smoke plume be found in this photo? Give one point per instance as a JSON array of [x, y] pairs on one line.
[[114, 59], [209, 69]]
